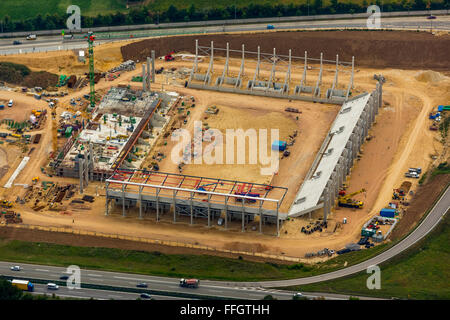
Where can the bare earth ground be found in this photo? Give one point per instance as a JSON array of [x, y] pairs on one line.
[[401, 140]]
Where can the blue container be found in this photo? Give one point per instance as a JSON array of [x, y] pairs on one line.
[[440, 108], [387, 213], [2, 106], [278, 145]]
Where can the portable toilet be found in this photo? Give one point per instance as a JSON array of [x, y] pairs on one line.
[[279, 145]]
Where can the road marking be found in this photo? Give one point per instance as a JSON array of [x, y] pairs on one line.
[[144, 280], [43, 270], [94, 275]]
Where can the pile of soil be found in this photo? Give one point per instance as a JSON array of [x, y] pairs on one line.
[[420, 203], [19, 74], [429, 76], [377, 49], [41, 79]]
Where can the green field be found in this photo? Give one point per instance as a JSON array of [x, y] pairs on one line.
[[23, 9], [421, 272]]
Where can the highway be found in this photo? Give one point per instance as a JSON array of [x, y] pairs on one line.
[[124, 281], [237, 290], [51, 43]]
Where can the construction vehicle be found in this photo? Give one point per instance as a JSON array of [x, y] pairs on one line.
[[24, 285], [6, 204], [189, 283], [347, 201], [35, 180], [401, 192], [169, 56]]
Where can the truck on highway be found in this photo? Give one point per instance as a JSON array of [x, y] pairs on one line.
[[24, 285], [189, 283], [270, 26], [31, 37]]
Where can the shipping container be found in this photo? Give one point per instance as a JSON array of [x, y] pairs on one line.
[[387, 213]]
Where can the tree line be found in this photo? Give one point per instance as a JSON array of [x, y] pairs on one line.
[[144, 15]]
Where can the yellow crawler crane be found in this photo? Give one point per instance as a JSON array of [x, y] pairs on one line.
[[347, 201]]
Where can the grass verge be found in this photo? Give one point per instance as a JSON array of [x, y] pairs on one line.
[[171, 265]]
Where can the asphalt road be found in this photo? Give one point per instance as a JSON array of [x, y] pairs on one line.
[[123, 280], [49, 43], [64, 292]]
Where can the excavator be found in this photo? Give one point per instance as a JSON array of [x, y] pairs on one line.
[[347, 201]]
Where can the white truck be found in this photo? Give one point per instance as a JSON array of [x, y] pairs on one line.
[[31, 37]]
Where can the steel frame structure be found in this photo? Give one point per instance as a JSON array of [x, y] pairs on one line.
[[181, 195], [268, 87]]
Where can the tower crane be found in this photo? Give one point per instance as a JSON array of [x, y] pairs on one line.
[[90, 39]]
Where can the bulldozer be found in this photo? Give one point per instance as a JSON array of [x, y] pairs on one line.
[[347, 201], [35, 180]]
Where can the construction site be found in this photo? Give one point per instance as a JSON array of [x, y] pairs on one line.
[[97, 151]]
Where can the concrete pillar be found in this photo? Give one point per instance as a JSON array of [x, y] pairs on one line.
[[144, 76], [106, 194], [174, 207], [148, 74], [123, 200], [192, 208], [278, 221], [157, 203], [153, 66], [243, 216], [80, 173], [209, 210], [140, 202], [226, 212]]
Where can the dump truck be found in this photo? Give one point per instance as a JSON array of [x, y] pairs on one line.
[[189, 283], [24, 285]]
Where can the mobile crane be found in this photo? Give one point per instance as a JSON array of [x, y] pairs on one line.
[[347, 201]]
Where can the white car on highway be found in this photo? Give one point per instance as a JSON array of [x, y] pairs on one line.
[[15, 268], [52, 286]]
